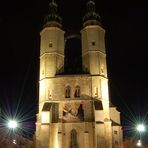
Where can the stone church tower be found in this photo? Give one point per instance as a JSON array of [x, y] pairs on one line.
[[74, 106]]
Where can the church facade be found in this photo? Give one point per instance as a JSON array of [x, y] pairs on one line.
[[74, 108]]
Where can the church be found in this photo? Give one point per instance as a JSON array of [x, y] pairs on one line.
[[74, 109]]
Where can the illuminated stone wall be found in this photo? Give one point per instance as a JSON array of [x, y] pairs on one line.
[[74, 110]]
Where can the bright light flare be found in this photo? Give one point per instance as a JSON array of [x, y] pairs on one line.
[[12, 124], [14, 141], [139, 144], [140, 128]]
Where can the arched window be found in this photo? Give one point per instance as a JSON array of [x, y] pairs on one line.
[[73, 137], [67, 92], [77, 92]]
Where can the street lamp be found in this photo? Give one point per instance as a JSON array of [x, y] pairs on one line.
[[12, 124], [140, 128]]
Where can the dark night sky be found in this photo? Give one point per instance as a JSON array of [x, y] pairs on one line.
[[126, 44]]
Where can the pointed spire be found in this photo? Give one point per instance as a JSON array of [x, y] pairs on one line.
[[53, 16], [91, 16]]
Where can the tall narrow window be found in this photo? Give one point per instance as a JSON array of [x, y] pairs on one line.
[[67, 92], [73, 135], [50, 44], [93, 43], [77, 92], [96, 91]]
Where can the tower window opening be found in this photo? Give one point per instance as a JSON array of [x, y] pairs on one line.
[[93, 43], [50, 44], [96, 91], [77, 92], [73, 135], [67, 92], [115, 132]]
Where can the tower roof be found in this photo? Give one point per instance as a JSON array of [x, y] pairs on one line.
[[53, 18], [91, 17]]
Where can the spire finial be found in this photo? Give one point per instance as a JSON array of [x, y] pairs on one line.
[[91, 14], [53, 15]]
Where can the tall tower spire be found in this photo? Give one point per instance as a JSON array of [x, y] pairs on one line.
[[91, 17], [53, 18]]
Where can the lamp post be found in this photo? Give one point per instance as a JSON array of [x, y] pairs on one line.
[[140, 128], [12, 125]]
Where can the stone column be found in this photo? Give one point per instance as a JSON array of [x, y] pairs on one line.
[[108, 133], [86, 139], [54, 135], [60, 139]]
